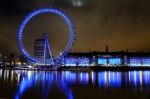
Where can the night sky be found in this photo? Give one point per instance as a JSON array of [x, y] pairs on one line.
[[122, 24]]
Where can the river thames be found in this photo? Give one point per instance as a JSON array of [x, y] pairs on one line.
[[17, 84]]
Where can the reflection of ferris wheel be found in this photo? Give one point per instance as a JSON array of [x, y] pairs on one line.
[[68, 46]]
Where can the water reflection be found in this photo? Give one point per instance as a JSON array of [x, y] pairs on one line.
[[109, 79], [139, 79], [41, 84], [46, 80]]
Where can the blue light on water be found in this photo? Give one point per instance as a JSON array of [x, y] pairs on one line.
[[63, 80], [136, 78], [146, 78], [0, 73], [102, 79], [93, 77], [109, 79], [139, 79], [69, 77], [25, 84], [47, 78], [83, 78], [115, 79]]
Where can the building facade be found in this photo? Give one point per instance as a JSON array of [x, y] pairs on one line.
[[107, 59]]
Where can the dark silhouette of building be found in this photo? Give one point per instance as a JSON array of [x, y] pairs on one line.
[[106, 49], [42, 50], [39, 48]]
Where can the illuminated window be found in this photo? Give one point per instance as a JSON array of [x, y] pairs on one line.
[[102, 61], [76, 61], [142, 61], [115, 61]]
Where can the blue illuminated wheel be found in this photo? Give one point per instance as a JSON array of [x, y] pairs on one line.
[[38, 12]]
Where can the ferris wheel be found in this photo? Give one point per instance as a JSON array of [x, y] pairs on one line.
[[68, 47]]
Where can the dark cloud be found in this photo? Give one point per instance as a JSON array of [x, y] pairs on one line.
[[122, 24], [9, 7]]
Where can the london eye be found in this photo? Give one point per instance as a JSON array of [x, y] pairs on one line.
[[67, 48]]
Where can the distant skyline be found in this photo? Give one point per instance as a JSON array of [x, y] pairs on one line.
[[120, 24]]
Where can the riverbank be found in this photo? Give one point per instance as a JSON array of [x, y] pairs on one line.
[[119, 68], [77, 68], [102, 68]]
